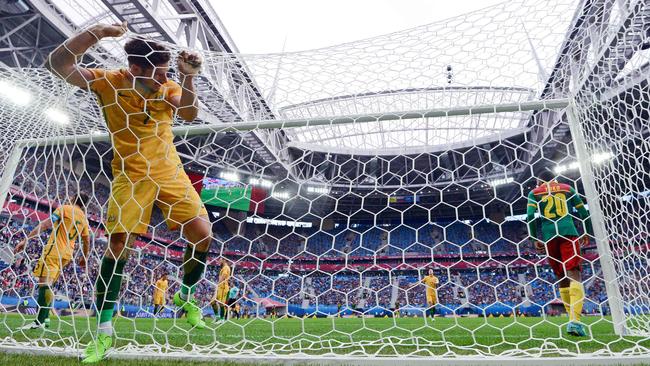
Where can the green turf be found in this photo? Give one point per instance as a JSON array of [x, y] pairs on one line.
[[27, 360], [352, 336]]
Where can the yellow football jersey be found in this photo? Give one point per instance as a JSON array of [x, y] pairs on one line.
[[159, 290], [140, 125], [430, 282], [225, 274], [68, 223]]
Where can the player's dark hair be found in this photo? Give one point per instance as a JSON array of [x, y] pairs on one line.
[[546, 175], [81, 199], [146, 54]]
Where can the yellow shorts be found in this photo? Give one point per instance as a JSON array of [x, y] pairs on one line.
[[50, 268], [431, 299], [222, 294], [158, 301], [130, 204]]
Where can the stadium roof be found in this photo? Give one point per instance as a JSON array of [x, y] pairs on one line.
[[500, 54]]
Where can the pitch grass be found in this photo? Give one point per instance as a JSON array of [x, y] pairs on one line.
[[27, 360], [351, 336]]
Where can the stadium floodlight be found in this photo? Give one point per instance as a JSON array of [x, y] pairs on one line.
[[57, 116], [260, 182], [281, 195], [231, 176], [318, 190], [596, 158], [14, 94], [501, 181], [559, 169], [601, 157]]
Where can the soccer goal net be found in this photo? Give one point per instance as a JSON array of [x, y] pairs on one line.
[[371, 199]]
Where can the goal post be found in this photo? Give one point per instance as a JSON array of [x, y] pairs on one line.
[[610, 274]]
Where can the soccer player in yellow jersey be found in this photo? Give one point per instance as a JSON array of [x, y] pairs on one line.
[[159, 294], [220, 298], [139, 104], [431, 282], [68, 224]]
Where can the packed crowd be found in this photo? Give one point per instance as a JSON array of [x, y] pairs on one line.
[[42, 178], [366, 240]]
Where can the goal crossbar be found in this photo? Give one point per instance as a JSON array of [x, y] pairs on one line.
[[203, 129]]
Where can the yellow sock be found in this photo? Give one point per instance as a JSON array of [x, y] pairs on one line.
[[565, 295], [577, 299]]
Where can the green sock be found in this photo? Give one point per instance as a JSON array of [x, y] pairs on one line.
[[107, 287], [45, 297], [192, 271], [105, 315]]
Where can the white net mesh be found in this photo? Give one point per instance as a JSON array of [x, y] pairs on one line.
[[374, 161]]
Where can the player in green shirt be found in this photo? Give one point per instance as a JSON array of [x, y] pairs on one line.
[[559, 240]]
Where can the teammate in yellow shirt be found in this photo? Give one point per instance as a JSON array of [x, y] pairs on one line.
[[431, 282], [68, 224], [139, 104], [160, 294], [220, 298]]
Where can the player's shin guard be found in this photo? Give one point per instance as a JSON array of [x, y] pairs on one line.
[[45, 298], [107, 289], [577, 299], [194, 264], [565, 295]]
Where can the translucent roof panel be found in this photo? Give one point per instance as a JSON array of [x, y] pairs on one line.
[[407, 136], [501, 54], [84, 13]]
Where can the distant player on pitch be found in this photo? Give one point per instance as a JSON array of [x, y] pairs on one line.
[[431, 283], [554, 202], [68, 224], [160, 294], [139, 104], [220, 299], [233, 293]]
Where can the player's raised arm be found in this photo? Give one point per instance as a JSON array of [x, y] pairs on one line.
[[224, 275], [63, 60], [36, 231], [532, 223], [85, 239], [579, 205], [189, 66]]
